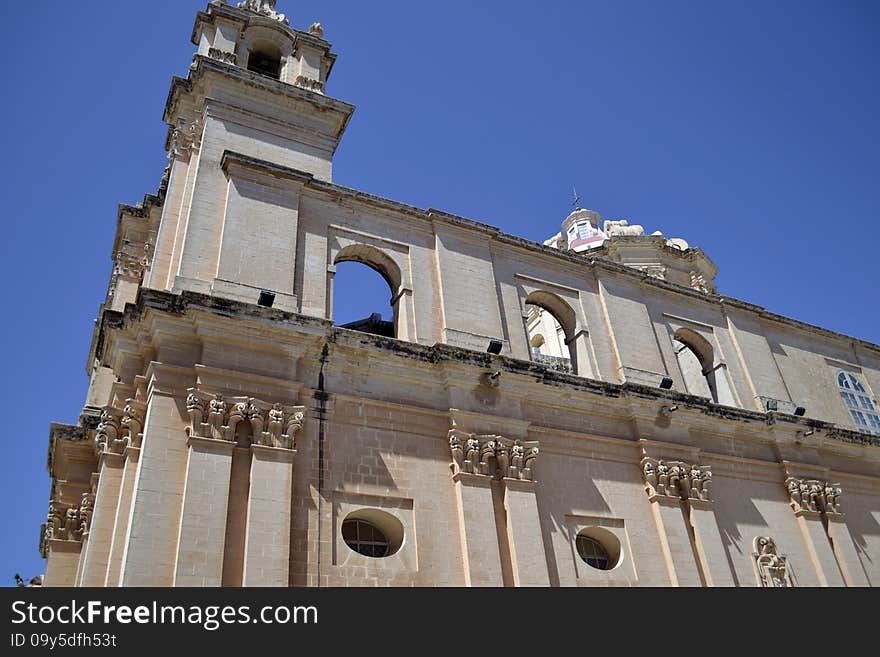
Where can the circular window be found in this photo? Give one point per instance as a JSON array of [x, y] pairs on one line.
[[598, 548], [372, 533]]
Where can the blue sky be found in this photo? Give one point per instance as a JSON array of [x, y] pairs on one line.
[[748, 128]]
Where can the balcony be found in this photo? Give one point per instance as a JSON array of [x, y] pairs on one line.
[[554, 362]]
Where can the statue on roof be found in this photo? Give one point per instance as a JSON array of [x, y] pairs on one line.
[[263, 8]]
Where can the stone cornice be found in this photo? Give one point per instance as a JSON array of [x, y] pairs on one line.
[[188, 302], [203, 66]]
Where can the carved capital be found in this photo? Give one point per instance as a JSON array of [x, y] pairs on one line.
[[492, 456], [242, 419], [118, 429], [814, 495], [676, 479]]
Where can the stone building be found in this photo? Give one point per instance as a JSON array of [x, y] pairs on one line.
[[667, 435]]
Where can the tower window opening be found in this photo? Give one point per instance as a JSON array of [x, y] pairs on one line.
[[360, 290], [265, 64]]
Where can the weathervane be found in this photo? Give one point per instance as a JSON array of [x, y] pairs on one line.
[[576, 202]]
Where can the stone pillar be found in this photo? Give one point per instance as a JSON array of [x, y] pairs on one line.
[[476, 526], [63, 562], [709, 546], [203, 521], [150, 556], [267, 538], [671, 486], [527, 556], [845, 550], [131, 457], [675, 541], [819, 547], [96, 552], [815, 502]]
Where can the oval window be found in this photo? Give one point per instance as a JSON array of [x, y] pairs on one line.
[[372, 533], [598, 548]]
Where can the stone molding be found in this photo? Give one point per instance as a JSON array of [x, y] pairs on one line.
[[513, 459], [216, 417], [814, 495], [772, 568], [676, 479]]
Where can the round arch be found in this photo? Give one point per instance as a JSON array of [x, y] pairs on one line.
[[564, 315], [560, 309], [698, 344], [375, 259], [696, 359]]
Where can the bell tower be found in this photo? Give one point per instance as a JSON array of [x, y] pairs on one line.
[[255, 92]]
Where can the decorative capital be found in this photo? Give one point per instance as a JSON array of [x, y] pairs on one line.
[[492, 456], [676, 479], [771, 567], [119, 429], [237, 419], [814, 495]]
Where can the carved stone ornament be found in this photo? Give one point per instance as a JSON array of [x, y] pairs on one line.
[[304, 82], [622, 228], [185, 137], [772, 568], [814, 495], [219, 418], [67, 523], [119, 429], [493, 456], [677, 479], [656, 271], [263, 8], [316, 30], [699, 283], [222, 55]]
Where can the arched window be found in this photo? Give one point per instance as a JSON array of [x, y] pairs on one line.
[[551, 331], [859, 403], [366, 291], [361, 300], [697, 363]]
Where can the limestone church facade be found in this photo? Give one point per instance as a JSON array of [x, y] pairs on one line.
[[589, 411]]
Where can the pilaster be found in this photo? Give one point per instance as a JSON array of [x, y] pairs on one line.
[[96, 553], [267, 541], [203, 521]]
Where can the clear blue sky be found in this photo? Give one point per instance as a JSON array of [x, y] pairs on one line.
[[748, 128]]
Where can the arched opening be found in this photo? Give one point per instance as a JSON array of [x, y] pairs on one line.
[[365, 291], [265, 59], [550, 325], [696, 360]]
